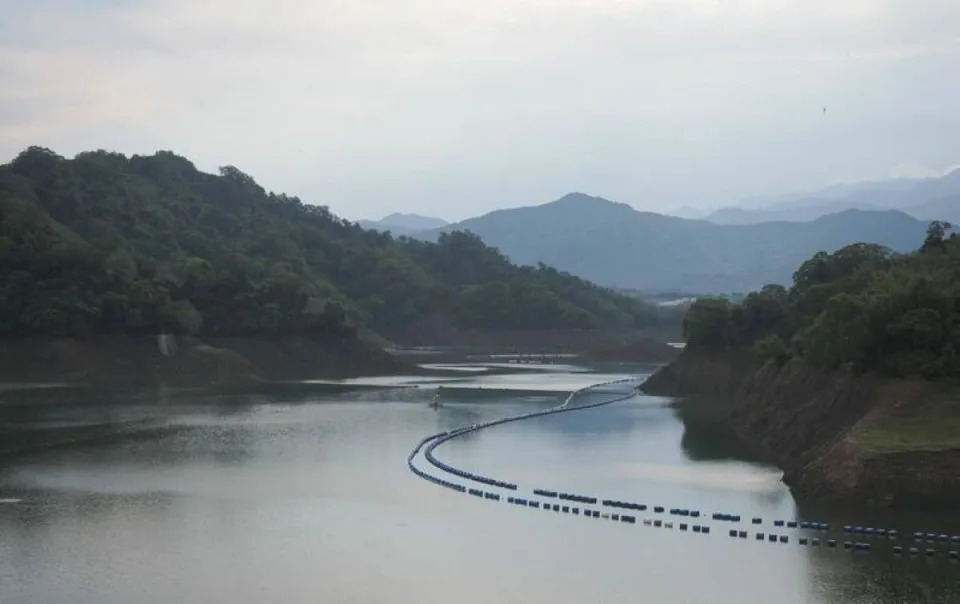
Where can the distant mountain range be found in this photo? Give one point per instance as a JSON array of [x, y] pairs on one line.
[[404, 224], [925, 199], [615, 245]]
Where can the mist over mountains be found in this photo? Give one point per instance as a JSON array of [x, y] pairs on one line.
[[403, 224], [924, 199], [615, 245]]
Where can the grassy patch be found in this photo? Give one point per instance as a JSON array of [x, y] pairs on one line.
[[931, 427]]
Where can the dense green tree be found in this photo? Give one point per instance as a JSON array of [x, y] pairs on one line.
[[105, 243], [861, 308], [708, 323]]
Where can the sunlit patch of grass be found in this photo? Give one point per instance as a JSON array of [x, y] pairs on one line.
[[931, 427]]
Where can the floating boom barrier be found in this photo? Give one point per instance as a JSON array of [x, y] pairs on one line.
[[429, 444]]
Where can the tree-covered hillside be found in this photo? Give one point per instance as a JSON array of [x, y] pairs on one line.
[[863, 308], [103, 243]]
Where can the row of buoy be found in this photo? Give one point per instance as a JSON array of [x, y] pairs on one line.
[[696, 528], [931, 537], [914, 551], [577, 498], [630, 505], [443, 437], [626, 505], [725, 517], [734, 533], [815, 526], [434, 479], [870, 531]]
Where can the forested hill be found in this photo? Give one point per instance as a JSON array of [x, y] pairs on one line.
[[653, 252], [863, 308], [103, 243]]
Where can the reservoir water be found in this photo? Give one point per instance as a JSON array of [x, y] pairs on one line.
[[301, 493]]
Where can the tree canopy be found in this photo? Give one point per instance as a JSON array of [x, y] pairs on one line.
[[144, 244], [862, 308]]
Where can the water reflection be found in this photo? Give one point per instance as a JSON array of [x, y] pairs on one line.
[[301, 494]]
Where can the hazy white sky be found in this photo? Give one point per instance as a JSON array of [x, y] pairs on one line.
[[455, 107]]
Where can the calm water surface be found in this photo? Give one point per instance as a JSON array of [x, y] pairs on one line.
[[302, 494]]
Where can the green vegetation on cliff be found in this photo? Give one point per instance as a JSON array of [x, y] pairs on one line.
[[862, 308], [104, 243]]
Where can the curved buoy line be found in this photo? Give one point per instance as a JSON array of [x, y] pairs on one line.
[[429, 444]]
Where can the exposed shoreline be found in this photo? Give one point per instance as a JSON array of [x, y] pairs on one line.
[[244, 361], [838, 437]]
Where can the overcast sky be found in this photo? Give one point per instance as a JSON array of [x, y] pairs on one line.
[[453, 108]]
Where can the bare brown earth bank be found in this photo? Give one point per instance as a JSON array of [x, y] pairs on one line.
[[837, 436]]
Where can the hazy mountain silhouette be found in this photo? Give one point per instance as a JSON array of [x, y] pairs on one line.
[[404, 224], [927, 199], [613, 244]]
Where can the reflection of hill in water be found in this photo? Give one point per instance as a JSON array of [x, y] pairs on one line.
[[880, 577], [707, 439]]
